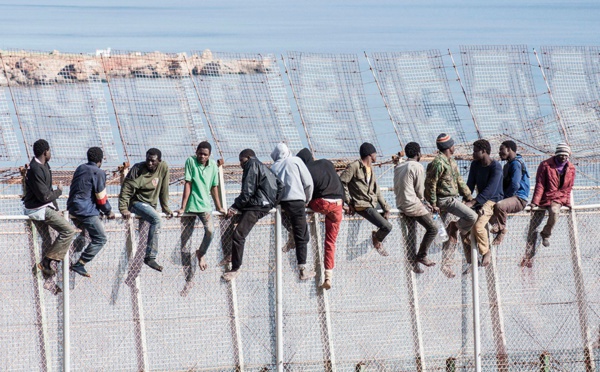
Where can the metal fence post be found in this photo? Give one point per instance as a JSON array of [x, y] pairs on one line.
[[496, 313], [323, 299], [582, 305], [66, 304], [278, 289], [413, 301], [475, 293]]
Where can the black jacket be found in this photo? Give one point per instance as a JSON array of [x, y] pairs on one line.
[[261, 189], [38, 186], [326, 181]]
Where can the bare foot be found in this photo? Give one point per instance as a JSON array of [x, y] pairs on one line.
[[225, 261], [376, 243], [499, 238], [487, 258], [452, 231]]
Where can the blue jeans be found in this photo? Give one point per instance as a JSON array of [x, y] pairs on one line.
[[95, 229], [147, 213]]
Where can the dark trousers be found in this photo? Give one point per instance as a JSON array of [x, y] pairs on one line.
[[371, 215], [431, 231], [238, 229], [295, 211]]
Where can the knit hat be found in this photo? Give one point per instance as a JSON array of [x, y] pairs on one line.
[[562, 149], [444, 142], [367, 149]]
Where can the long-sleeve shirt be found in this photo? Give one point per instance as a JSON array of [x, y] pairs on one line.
[[444, 180], [409, 187], [87, 194], [327, 184], [291, 170], [550, 186], [38, 186], [361, 191], [144, 186], [515, 179], [488, 181]]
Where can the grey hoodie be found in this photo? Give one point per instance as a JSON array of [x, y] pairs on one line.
[[297, 182]]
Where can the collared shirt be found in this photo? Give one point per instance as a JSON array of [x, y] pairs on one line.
[[359, 192], [202, 179]]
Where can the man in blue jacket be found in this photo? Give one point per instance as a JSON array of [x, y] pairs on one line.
[[485, 175], [515, 185], [87, 200]]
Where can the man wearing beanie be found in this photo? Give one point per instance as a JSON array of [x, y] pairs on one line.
[[485, 175], [443, 185], [361, 193], [553, 184]]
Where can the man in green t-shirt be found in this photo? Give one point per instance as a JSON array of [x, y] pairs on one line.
[[201, 181]]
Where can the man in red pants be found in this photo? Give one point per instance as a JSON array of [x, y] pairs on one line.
[[327, 199]]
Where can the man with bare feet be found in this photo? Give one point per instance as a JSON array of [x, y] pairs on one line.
[[201, 182]]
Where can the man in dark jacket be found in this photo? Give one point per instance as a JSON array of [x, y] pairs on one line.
[[87, 199], [554, 182], [327, 199], [362, 194], [515, 184], [485, 174], [261, 191], [40, 205], [146, 184]]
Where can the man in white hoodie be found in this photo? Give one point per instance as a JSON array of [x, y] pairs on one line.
[[297, 191]]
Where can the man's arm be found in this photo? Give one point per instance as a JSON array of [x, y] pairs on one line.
[[472, 178], [307, 181], [127, 191], [248, 187], [418, 176], [346, 177], [433, 174], [463, 189], [215, 195], [41, 191], [164, 194], [540, 184], [187, 189], [99, 184], [515, 173]]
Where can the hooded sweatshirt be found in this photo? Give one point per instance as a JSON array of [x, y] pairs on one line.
[[297, 182], [327, 183]]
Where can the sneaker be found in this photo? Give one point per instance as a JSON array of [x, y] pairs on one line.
[[230, 275], [153, 264], [447, 270], [426, 261], [498, 239], [545, 241], [306, 274], [79, 268], [45, 266]]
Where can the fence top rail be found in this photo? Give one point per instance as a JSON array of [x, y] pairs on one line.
[[21, 217]]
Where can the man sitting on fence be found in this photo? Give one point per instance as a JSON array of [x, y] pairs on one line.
[[409, 185], [146, 184], [201, 182], [39, 200], [554, 182], [87, 200], [297, 192], [515, 184], [485, 174], [443, 184], [261, 191], [327, 199], [362, 195]]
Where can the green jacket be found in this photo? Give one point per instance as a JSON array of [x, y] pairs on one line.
[[357, 191], [141, 185], [443, 179]]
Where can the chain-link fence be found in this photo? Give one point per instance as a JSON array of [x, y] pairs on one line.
[[379, 314]]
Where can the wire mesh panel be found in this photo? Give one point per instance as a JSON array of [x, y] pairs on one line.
[[245, 102], [415, 87], [371, 322], [102, 318], [155, 104], [187, 312], [60, 97], [331, 99], [574, 77], [9, 148], [500, 88]]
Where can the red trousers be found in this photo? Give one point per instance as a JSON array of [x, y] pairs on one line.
[[333, 219]]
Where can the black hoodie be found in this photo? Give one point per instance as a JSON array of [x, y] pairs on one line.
[[326, 180]]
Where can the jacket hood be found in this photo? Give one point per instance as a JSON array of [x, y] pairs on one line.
[[281, 152], [305, 155]]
